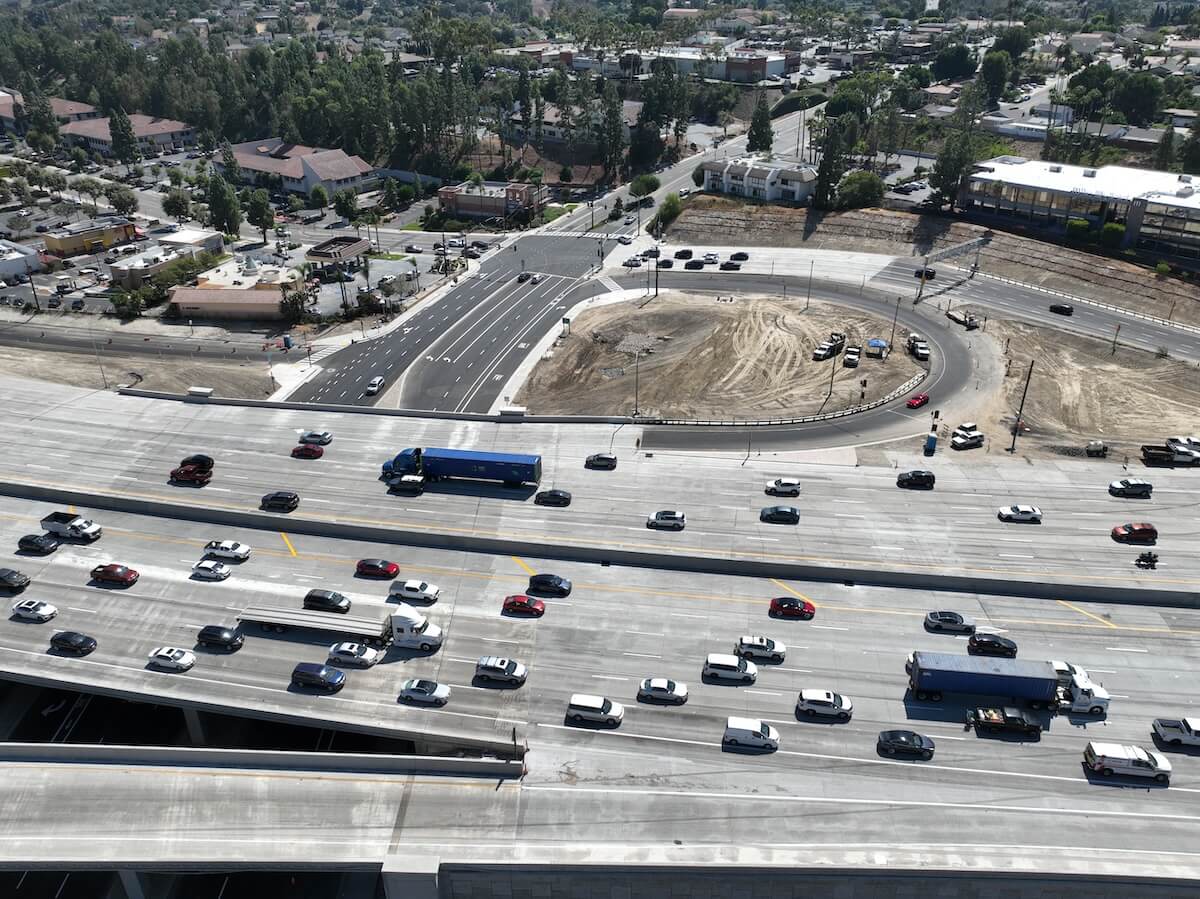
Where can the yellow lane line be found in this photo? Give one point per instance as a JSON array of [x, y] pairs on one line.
[[782, 586], [1075, 608], [526, 568], [288, 544]]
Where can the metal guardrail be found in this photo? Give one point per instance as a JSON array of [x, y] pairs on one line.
[[808, 419]]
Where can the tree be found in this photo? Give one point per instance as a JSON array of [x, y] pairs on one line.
[[391, 194], [229, 163], [610, 135], [345, 203], [524, 99], [124, 142], [224, 209], [318, 197], [175, 177], [1189, 153], [643, 185], [761, 135], [668, 211], [260, 213], [1013, 41], [859, 189], [698, 175], [1138, 97], [954, 61], [951, 164], [177, 204], [1164, 154], [78, 158], [996, 68], [56, 183], [831, 166], [89, 187]]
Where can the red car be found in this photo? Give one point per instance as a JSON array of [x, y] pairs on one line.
[[1135, 533], [191, 474], [376, 568], [792, 607], [524, 605], [307, 451], [115, 574], [917, 400]]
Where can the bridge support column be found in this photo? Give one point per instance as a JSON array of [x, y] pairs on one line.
[[131, 882], [195, 727]]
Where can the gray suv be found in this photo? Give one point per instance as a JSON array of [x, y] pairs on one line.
[[326, 601], [322, 677]]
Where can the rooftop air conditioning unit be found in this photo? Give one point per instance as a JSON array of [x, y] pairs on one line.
[[1186, 179], [1056, 168], [1089, 173]]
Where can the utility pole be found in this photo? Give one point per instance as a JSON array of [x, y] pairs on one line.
[[833, 364], [1021, 408], [33, 287], [1114, 343], [892, 341], [637, 359], [96, 350]]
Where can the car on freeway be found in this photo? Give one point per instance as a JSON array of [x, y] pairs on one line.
[[824, 704], [1007, 719], [739, 256], [12, 580], [1177, 731], [624, 240], [414, 591], [327, 601], [760, 647], [210, 570], [374, 385], [780, 515], [711, 258], [667, 520], [916, 480], [783, 487], [731, 266], [553, 498], [520, 604], [1062, 308], [949, 622], [1020, 513], [307, 451], [227, 549], [589, 708], [523, 277], [281, 501], [497, 670], [171, 658], [190, 474], [376, 568], [632, 262], [683, 254], [905, 742], [218, 636], [121, 575], [425, 692], [917, 400], [321, 677], [34, 610], [662, 689], [601, 461], [1138, 532], [322, 438], [358, 654], [552, 584], [412, 248], [719, 666], [792, 607], [73, 642], [925, 274], [991, 645], [666, 263], [198, 460], [1128, 487], [694, 264]]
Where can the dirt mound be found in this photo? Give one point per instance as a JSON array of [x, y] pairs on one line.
[[709, 219], [694, 356]]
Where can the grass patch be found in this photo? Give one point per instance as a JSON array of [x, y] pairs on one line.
[[411, 226], [550, 213], [390, 257]]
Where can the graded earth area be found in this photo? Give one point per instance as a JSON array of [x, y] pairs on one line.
[[701, 356]]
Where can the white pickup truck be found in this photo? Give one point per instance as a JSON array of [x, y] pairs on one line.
[[1178, 731]]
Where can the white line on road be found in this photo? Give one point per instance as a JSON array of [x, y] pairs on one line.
[[608, 677], [641, 655], [308, 577], [795, 670], [1124, 649], [85, 611], [829, 627], [647, 633], [761, 692]]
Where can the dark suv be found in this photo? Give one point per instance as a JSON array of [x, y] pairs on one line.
[[326, 601], [199, 461], [916, 479], [683, 254], [216, 636], [13, 580], [281, 501], [314, 674], [549, 583]]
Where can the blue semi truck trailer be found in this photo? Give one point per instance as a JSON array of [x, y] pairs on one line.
[[432, 464], [935, 673]]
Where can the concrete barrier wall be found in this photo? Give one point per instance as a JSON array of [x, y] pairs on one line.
[[783, 570], [188, 757]]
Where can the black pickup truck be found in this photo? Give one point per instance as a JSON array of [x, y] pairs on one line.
[[1004, 720]]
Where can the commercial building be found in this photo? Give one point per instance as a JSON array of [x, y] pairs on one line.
[[17, 259], [137, 270], [89, 236], [64, 110], [1160, 210], [298, 168], [776, 179], [491, 199], [238, 288], [154, 135], [195, 239]]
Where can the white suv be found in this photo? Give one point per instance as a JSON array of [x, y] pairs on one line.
[[719, 666], [824, 704], [596, 709], [374, 386], [760, 648]]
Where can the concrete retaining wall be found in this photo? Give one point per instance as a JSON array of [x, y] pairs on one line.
[[251, 759], [1048, 588]]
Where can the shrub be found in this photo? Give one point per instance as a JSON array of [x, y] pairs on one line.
[[1078, 229], [1112, 235], [1162, 269]]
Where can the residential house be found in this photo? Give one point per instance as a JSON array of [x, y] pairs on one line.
[[154, 135], [298, 168]]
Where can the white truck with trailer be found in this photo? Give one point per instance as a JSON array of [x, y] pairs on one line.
[[376, 624], [71, 526]]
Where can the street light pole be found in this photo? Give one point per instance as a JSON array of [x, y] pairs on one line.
[[637, 359], [1021, 408], [892, 341]]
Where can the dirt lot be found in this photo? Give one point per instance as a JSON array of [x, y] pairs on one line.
[[708, 219], [707, 359], [168, 374], [1081, 390]]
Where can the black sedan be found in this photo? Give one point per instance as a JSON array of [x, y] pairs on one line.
[[991, 645], [13, 580], [739, 256], [601, 461], [780, 515], [905, 742], [693, 264], [731, 266], [666, 263], [553, 498], [925, 274], [1062, 308], [73, 642], [42, 544]]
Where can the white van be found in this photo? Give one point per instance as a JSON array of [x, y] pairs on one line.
[[596, 709], [721, 666], [750, 732], [1107, 759]]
